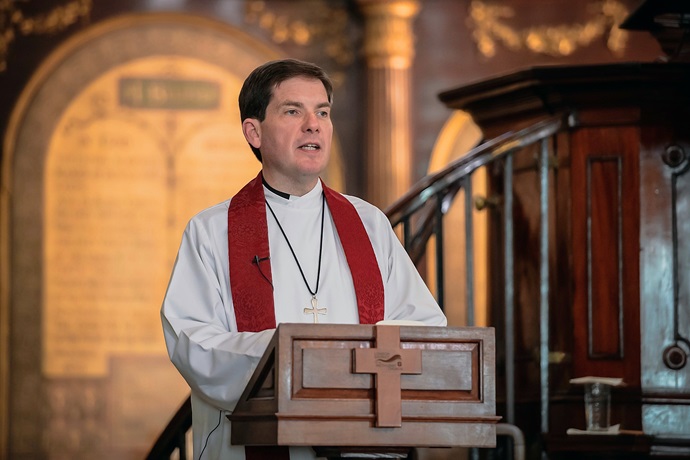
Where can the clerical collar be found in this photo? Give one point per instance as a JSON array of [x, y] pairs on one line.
[[277, 192]]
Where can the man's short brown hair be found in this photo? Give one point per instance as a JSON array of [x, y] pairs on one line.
[[258, 87]]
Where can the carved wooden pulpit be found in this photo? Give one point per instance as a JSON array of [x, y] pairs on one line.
[[360, 388]]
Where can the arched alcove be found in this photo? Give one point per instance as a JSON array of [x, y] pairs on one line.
[[123, 133]]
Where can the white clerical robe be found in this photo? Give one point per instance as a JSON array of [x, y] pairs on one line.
[[198, 318]]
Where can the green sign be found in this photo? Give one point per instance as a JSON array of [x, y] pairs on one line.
[[169, 93]]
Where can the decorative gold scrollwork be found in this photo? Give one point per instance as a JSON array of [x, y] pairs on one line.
[[13, 22], [322, 22], [488, 25]]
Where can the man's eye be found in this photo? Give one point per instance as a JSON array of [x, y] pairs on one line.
[[323, 114], [291, 112]]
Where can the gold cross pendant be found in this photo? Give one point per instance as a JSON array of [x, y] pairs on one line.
[[315, 310]]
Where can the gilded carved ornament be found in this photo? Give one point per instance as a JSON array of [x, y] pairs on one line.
[[489, 27], [320, 23], [14, 23]]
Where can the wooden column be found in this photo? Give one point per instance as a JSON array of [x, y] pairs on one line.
[[389, 50]]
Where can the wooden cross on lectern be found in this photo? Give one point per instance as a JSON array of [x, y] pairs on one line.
[[387, 362]]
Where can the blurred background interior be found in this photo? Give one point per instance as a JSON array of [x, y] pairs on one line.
[[532, 155]]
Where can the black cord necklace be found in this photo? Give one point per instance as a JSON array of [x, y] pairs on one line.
[[314, 310]]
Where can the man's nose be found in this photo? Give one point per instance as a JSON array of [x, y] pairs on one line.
[[311, 123]]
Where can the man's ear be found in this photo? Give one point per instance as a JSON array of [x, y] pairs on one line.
[[252, 132]]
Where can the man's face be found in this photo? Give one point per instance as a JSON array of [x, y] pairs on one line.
[[295, 137]]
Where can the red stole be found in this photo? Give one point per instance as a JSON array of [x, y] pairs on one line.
[[250, 268]]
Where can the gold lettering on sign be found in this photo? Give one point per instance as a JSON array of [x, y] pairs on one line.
[[124, 173], [169, 93]]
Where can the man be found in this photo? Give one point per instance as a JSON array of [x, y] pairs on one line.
[[286, 248]]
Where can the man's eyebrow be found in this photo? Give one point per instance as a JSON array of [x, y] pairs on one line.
[[292, 103], [301, 105]]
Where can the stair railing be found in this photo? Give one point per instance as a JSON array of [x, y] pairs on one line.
[[420, 213]]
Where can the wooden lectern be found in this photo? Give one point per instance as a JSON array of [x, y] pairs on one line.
[[363, 388]]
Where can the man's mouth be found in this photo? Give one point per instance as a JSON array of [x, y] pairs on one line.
[[310, 147]]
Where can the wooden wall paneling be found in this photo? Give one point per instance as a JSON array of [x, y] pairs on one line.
[[605, 246], [665, 308]]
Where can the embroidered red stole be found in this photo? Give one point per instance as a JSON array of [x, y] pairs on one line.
[[250, 267], [251, 282]]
